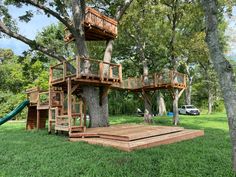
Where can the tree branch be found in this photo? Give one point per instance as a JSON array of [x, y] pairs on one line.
[[122, 8], [32, 43], [65, 20]]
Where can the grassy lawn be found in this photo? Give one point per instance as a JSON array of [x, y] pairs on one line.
[[35, 153]]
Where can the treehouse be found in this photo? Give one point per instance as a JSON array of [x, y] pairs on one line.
[[66, 107], [97, 27]]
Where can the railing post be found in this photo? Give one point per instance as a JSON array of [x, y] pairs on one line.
[[50, 76], [111, 72], [120, 72], [101, 71], [78, 70], [64, 70]]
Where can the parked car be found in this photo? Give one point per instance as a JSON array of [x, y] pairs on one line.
[[189, 110]]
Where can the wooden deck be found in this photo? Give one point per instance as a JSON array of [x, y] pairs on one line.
[[97, 27], [100, 73], [132, 137]]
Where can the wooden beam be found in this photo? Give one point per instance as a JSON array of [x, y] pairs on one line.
[[64, 71], [120, 73], [181, 92], [69, 101], [38, 119], [101, 67], [50, 75], [74, 88]]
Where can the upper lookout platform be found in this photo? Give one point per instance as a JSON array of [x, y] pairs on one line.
[[97, 27]]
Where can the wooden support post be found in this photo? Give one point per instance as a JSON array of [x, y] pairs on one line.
[[62, 102], [111, 72], [56, 116], [85, 121], [120, 73], [74, 88], [69, 103], [81, 112], [181, 92], [50, 76], [38, 119], [78, 70], [49, 110], [101, 67], [64, 71]]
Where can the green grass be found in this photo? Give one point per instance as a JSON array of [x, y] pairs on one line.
[[35, 153]]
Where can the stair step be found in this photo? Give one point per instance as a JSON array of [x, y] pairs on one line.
[[77, 128]]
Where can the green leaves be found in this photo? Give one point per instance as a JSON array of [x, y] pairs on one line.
[[27, 17]]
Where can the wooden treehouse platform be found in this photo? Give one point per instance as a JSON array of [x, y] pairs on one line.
[[98, 73], [97, 27], [85, 72], [132, 137]]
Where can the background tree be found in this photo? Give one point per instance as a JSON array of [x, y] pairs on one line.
[[213, 12], [61, 10]]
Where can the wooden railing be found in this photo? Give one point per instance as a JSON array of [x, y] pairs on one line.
[[87, 69], [97, 27], [169, 78], [41, 98], [100, 21]]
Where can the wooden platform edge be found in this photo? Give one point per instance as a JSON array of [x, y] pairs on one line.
[[144, 143], [167, 139]]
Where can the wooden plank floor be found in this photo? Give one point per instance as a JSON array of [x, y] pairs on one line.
[[132, 137]]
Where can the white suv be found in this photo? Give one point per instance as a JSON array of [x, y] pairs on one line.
[[189, 110]]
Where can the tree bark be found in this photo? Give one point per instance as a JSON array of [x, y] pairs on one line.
[[210, 101], [188, 93], [223, 69], [175, 107], [96, 99], [161, 106], [98, 109]]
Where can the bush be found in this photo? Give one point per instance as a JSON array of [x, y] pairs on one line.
[[10, 101], [219, 106]]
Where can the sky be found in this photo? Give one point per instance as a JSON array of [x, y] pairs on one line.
[[30, 29], [40, 21], [231, 34]]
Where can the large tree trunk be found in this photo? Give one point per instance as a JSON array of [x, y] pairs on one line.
[[97, 105], [188, 93], [95, 98], [175, 107], [223, 68], [210, 101], [161, 106]]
